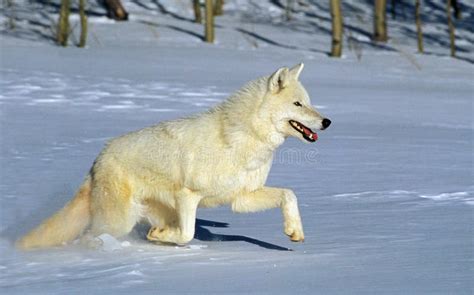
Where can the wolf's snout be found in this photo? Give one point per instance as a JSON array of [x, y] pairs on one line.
[[326, 122]]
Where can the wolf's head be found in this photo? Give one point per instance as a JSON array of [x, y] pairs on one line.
[[288, 106]]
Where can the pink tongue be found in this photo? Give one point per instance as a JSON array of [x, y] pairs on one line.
[[308, 132]]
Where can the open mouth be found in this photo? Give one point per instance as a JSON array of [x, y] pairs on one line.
[[307, 133]]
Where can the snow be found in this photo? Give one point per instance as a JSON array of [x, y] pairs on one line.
[[386, 194], [108, 243]]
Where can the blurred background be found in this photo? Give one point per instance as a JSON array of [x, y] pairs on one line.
[[334, 27]]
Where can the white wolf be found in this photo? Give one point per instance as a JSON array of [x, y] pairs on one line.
[[165, 172]]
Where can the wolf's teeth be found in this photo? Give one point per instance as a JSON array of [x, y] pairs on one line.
[[298, 126]]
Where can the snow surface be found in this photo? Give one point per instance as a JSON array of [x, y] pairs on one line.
[[386, 194]]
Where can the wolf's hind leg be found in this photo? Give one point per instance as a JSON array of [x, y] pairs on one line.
[[186, 206], [113, 211], [159, 215], [269, 197]]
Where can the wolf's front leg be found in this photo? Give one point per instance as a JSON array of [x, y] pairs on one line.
[[186, 206], [270, 197]]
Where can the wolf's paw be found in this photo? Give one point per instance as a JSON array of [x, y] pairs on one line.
[[154, 234], [168, 235], [295, 231]]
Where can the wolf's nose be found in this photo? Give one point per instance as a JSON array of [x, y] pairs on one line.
[[326, 123]]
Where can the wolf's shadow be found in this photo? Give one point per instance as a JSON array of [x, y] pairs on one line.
[[204, 234]]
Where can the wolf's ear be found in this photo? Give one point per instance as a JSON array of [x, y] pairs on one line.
[[296, 71], [279, 80]]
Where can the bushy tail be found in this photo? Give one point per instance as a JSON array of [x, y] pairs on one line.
[[65, 225]]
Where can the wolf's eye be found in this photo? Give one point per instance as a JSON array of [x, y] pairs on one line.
[[298, 104]]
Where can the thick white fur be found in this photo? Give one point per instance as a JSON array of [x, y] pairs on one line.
[[165, 172]]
